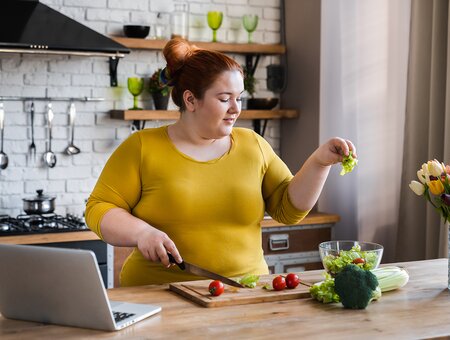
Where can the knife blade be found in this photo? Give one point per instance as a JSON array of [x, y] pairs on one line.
[[196, 270]]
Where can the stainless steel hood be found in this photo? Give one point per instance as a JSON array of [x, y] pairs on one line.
[[27, 26]]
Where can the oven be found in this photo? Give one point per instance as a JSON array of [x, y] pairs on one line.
[[51, 223]]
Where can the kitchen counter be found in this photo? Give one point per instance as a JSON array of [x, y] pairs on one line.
[[312, 218], [421, 309], [70, 236]]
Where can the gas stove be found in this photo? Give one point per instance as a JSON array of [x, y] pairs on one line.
[[37, 224]]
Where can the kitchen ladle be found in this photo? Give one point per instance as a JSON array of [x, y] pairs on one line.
[[49, 157], [3, 156], [71, 149]]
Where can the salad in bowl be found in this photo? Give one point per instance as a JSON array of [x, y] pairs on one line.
[[335, 255]]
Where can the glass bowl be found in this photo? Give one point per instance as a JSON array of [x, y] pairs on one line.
[[335, 255]]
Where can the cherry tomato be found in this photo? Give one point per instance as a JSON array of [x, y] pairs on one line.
[[359, 261], [216, 288], [292, 280], [279, 283]]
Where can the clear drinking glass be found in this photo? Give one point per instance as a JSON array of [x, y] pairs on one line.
[[250, 22], [214, 22], [135, 86], [179, 21]]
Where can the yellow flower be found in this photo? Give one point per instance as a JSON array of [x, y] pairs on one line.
[[417, 187], [436, 187]]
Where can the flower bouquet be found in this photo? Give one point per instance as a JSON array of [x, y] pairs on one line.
[[434, 185]]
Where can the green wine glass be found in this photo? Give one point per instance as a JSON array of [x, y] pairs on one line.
[[135, 86], [214, 22], [250, 22]]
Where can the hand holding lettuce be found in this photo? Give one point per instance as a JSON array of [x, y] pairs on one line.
[[348, 163]]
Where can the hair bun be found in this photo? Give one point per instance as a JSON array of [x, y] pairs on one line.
[[176, 52]]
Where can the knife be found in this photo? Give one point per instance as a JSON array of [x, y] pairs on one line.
[[196, 270]]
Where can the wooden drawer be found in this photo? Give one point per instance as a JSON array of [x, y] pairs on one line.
[[294, 239]]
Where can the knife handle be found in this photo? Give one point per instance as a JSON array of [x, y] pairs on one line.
[[172, 260]]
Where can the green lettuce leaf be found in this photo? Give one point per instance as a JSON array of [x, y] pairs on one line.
[[348, 163], [249, 281]]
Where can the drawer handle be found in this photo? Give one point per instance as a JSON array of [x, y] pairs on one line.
[[279, 242]]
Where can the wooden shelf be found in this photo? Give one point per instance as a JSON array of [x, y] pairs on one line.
[[148, 44], [174, 115]]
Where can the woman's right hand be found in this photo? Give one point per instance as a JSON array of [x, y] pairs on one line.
[[151, 242], [155, 244]]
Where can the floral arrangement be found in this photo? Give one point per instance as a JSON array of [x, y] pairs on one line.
[[434, 185], [155, 85]]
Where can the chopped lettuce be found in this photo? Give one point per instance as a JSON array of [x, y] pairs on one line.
[[324, 291], [335, 263], [249, 281], [348, 163]]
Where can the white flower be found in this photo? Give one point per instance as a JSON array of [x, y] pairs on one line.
[[421, 176], [417, 187], [435, 168]]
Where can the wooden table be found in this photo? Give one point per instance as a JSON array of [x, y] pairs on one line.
[[419, 310]]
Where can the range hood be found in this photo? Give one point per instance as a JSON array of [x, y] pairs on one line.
[[27, 26]]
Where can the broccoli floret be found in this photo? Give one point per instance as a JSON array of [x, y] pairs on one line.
[[355, 286]]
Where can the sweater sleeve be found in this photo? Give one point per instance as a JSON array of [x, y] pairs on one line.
[[119, 184], [275, 184]]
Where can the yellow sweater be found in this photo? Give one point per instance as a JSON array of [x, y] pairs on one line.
[[211, 210]]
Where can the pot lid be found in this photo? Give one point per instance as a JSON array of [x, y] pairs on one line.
[[39, 197]]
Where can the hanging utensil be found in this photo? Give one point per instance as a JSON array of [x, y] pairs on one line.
[[3, 156], [32, 147], [71, 149], [49, 157]]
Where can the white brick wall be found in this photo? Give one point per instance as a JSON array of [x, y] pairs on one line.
[[96, 134]]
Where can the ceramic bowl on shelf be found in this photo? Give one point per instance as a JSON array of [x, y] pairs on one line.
[[261, 103], [335, 255], [136, 31]]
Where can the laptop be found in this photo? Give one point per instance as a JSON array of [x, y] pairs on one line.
[[63, 287]]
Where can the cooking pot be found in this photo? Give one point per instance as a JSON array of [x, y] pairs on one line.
[[39, 204]]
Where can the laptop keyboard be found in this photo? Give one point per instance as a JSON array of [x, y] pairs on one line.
[[119, 316]]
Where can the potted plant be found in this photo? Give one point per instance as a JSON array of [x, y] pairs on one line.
[[253, 103], [160, 92], [249, 82]]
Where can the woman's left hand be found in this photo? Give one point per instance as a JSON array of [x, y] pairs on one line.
[[333, 151]]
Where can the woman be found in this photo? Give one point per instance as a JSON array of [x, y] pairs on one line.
[[199, 188]]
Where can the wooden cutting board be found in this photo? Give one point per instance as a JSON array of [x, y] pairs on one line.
[[197, 291]]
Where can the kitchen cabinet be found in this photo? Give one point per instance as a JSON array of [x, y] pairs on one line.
[[249, 50], [286, 247], [295, 248]]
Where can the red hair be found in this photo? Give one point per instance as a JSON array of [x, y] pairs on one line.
[[194, 69]]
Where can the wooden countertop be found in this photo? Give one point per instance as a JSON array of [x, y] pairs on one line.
[[312, 218], [50, 237], [419, 310]]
